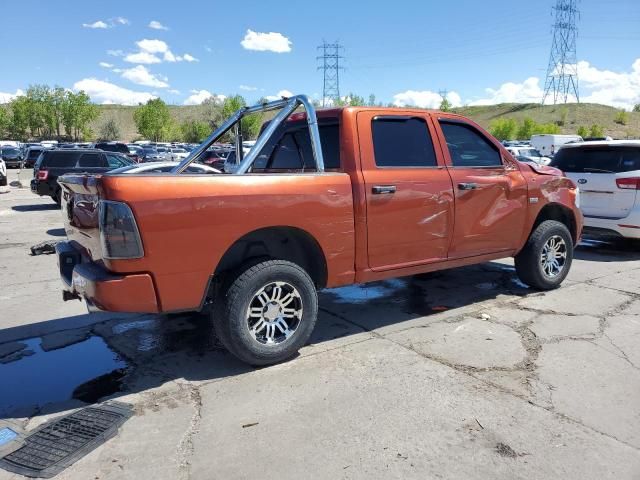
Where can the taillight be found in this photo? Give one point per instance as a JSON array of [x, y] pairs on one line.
[[42, 174], [632, 183], [119, 234]]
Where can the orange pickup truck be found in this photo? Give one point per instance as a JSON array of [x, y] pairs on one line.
[[321, 200]]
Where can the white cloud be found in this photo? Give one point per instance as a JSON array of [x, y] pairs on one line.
[[266, 42], [174, 91], [96, 24], [109, 93], [248, 88], [141, 76], [106, 65], [199, 96], [142, 57], [7, 97], [618, 89], [150, 51], [424, 99], [528, 91], [278, 96], [156, 25], [121, 21], [115, 53]]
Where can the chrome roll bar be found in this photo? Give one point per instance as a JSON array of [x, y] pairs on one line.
[[288, 106]]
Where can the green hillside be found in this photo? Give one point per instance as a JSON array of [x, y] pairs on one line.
[[585, 114]]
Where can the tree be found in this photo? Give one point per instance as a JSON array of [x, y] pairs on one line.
[[194, 131], [526, 129], [564, 114], [596, 131], [622, 117], [5, 121], [372, 100], [250, 125], [109, 130], [445, 104], [583, 131], [636, 108], [19, 121], [77, 113], [504, 128], [351, 100], [153, 120]]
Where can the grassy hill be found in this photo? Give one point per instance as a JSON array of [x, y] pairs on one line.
[[583, 114]]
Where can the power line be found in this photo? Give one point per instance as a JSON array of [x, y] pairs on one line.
[[562, 71], [330, 66]]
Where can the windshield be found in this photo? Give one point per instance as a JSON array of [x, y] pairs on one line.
[[597, 159], [10, 151]]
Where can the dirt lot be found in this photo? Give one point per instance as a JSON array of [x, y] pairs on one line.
[[460, 374]]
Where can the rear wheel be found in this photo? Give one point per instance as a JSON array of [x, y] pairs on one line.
[[267, 312], [545, 260]]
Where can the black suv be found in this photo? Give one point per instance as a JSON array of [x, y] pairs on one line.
[[118, 147], [55, 162]]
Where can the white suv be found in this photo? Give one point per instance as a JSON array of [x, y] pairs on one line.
[[608, 176]]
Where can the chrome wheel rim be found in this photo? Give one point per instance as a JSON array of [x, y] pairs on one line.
[[274, 313], [554, 256]]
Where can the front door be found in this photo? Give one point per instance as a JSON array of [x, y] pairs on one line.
[[490, 192], [409, 196]]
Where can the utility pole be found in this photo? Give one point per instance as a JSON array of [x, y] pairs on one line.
[[562, 72], [330, 66]]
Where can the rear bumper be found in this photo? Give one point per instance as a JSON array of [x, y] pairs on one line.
[[628, 227], [41, 188], [101, 289]]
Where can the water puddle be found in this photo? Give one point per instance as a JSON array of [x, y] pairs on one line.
[[33, 377]]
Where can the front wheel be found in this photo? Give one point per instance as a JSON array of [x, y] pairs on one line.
[[545, 260], [267, 312]]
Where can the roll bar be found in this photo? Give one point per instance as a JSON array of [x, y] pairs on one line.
[[287, 106]]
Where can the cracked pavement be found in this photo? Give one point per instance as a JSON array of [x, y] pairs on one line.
[[457, 374]]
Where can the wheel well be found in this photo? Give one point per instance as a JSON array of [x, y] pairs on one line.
[[278, 243], [560, 213]]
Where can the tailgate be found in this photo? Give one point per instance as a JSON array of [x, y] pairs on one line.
[[80, 196], [601, 197]]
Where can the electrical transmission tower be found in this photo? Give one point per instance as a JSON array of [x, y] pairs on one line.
[[562, 72], [330, 65]]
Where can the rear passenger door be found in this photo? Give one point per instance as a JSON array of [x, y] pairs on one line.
[[490, 191], [409, 196]]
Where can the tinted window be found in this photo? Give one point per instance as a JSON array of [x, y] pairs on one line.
[[597, 159], [91, 160], [468, 148], [113, 147], [33, 154], [59, 159], [402, 142], [116, 161]]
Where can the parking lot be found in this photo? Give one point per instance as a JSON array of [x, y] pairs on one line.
[[464, 373]]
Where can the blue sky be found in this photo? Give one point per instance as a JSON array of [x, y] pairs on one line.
[[403, 51]]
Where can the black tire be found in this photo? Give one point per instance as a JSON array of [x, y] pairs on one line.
[[3, 182], [528, 262], [234, 298]]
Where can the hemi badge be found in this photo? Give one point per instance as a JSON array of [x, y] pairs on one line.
[[533, 199]]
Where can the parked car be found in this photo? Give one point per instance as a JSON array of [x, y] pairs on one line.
[[32, 155], [530, 153], [549, 144], [151, 154], [176, 153], [12, 156], [3, 173], [214, 158], [136, 153], [351, 196], [52, 163], [118, 147], [164, 167], [608, 175]]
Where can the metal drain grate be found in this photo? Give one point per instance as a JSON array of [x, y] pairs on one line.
[[59, 443]]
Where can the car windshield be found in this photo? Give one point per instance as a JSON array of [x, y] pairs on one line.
[[10, 151]]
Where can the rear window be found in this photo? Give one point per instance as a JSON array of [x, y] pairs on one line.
[[597, 159], [59, 159], [33, 154], [91, 160]]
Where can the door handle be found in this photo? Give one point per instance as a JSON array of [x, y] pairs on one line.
[[383, 189], [467, 186]]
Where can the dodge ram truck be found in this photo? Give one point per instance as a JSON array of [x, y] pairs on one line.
[[323, 199]]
